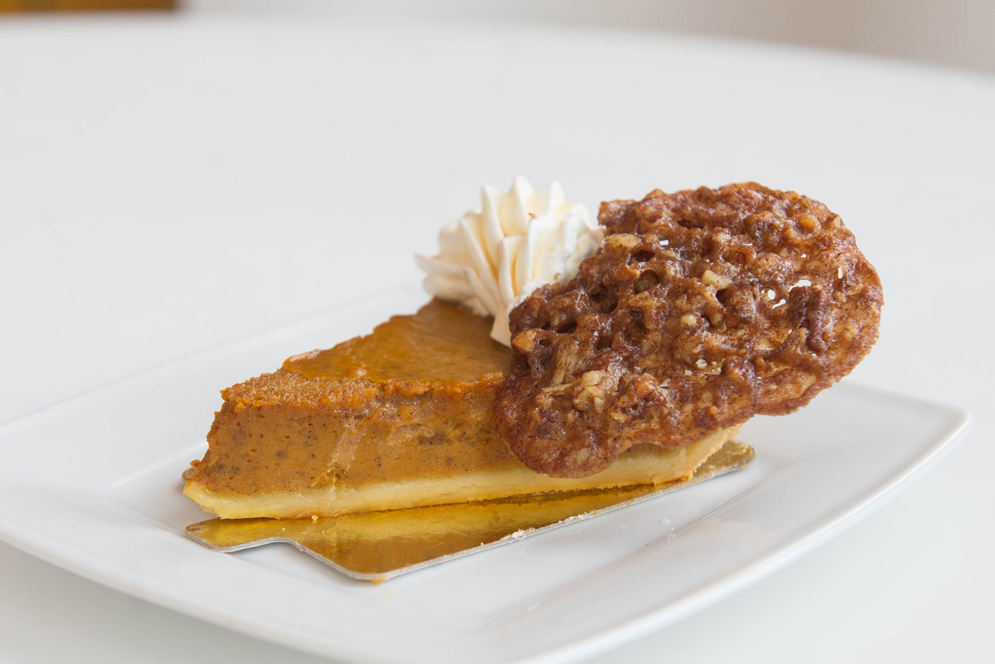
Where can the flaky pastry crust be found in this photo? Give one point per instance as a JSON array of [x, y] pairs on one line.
[[700, 309]]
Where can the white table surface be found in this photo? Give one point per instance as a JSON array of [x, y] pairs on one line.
[[169, 185]]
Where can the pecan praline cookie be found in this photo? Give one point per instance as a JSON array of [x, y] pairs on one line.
[[701, 309]]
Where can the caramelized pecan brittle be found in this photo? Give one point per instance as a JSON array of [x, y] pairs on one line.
[[701, 309]]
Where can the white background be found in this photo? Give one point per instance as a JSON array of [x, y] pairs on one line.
[[170, 185], [956, 33]]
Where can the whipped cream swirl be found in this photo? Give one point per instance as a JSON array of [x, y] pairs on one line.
[[493, 258]]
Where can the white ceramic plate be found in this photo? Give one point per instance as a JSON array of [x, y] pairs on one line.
[[93, 485]]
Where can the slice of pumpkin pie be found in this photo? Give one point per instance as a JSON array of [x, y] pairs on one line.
[[399, 418], [638, 347]]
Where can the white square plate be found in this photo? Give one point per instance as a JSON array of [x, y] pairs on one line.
[[93, 485]]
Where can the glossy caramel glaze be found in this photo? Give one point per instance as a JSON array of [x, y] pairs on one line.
[[442, 343]]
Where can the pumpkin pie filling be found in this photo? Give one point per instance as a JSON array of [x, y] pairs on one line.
[[398, 418]]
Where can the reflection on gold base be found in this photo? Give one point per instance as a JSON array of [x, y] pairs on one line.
[[380, 545]]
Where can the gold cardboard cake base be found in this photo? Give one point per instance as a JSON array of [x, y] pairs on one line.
[[379, 545]]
